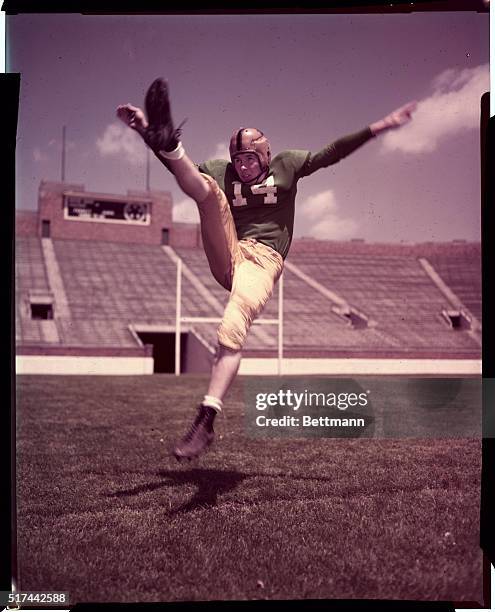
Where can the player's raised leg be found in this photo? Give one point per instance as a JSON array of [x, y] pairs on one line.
[[158, 131], [161, 135]]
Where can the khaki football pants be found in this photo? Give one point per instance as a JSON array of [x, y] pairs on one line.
[[246, 268]]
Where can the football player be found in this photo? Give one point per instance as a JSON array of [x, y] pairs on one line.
[[246, 208]]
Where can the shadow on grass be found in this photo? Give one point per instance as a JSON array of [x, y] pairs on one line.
[[210, 484]]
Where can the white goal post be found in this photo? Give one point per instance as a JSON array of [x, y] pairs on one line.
[[179, 319]]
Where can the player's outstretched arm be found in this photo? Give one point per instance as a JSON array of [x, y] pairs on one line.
[[341, 148], [394, 120]]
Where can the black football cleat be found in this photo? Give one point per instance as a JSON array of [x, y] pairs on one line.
[[160, 135], [199, 437]]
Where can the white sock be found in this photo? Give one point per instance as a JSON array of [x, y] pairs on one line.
[[177, 153], [213, 402]]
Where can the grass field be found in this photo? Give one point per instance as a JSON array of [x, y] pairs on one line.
[[107, 515]]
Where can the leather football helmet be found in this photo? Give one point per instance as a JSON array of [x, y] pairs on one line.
[[251, 140]]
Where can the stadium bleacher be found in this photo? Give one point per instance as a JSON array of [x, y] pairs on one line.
[[394, 292], [30, 279], [30, 273], [463, 275], [112, 285], [341, 299]]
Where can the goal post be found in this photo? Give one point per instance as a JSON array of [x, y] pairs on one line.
[[179, 320]]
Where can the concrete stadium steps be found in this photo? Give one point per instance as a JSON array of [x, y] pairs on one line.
[[30, 272], [463, 276], [308, 320], [73, 332], [28, 331], [109, 333], [394, 291], [112, 281], [195, 259], [30, 279], [111, 285]]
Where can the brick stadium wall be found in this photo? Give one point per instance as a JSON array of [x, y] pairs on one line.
[[86, 351], [50, 206], [376, 352], [186, 235], [181, 234], [26, 223], [457, 248]]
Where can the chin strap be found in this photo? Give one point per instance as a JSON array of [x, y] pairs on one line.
[[254, 181]]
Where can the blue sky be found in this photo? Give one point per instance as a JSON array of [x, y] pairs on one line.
[[305, 80]]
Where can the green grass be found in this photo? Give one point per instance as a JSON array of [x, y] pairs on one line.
[[105, 513]]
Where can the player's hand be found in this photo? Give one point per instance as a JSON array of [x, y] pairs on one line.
[[400, 116], [133, 117], [395, 119]]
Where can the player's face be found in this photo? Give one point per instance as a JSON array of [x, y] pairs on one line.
[[247, 166]]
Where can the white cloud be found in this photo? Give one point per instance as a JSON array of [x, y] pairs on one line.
[[69, 144], [52, 150], [120, 141], [221, 151], [185, 211], [321, 210], [453, 106], [39, 156]]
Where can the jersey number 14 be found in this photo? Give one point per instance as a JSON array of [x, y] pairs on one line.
[[267, 188]]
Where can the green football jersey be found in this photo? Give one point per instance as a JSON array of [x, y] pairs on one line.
[[264, 211]]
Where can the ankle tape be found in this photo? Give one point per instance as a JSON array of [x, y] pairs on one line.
[[177, 153], [212, 402]]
